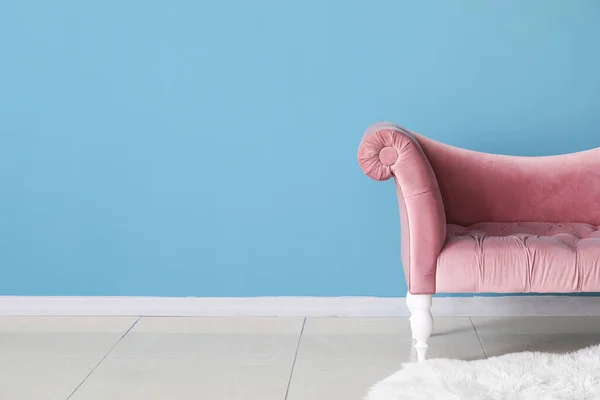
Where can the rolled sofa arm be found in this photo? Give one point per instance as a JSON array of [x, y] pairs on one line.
[[388, 150]]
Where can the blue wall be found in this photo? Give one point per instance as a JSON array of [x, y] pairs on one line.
[[208, 148]]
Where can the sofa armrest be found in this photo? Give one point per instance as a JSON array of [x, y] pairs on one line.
[[389, 150]]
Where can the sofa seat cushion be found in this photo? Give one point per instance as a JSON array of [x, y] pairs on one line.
[[520, 257]]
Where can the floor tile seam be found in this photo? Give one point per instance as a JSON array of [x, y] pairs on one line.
[[287, 389], [103, 358], [478, 338]]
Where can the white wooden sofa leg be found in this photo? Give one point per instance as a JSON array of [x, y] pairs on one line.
[[410, 311], [421, 322]]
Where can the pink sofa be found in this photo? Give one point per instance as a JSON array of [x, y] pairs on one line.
[[475, 222]]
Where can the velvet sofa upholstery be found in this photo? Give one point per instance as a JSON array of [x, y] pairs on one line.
[[475, 222]]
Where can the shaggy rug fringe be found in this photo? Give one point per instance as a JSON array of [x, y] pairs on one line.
[[517, 376]]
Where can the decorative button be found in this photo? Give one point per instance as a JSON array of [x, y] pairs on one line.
[[388, 156]]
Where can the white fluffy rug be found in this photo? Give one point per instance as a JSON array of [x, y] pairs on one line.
[[518, 376]]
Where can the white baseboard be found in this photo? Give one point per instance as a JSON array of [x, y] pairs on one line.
[[297, 306]]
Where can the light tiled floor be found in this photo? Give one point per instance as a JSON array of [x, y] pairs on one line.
[[114, 358]]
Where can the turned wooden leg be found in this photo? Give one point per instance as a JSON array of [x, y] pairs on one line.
[[410, 310], [421, 322]]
